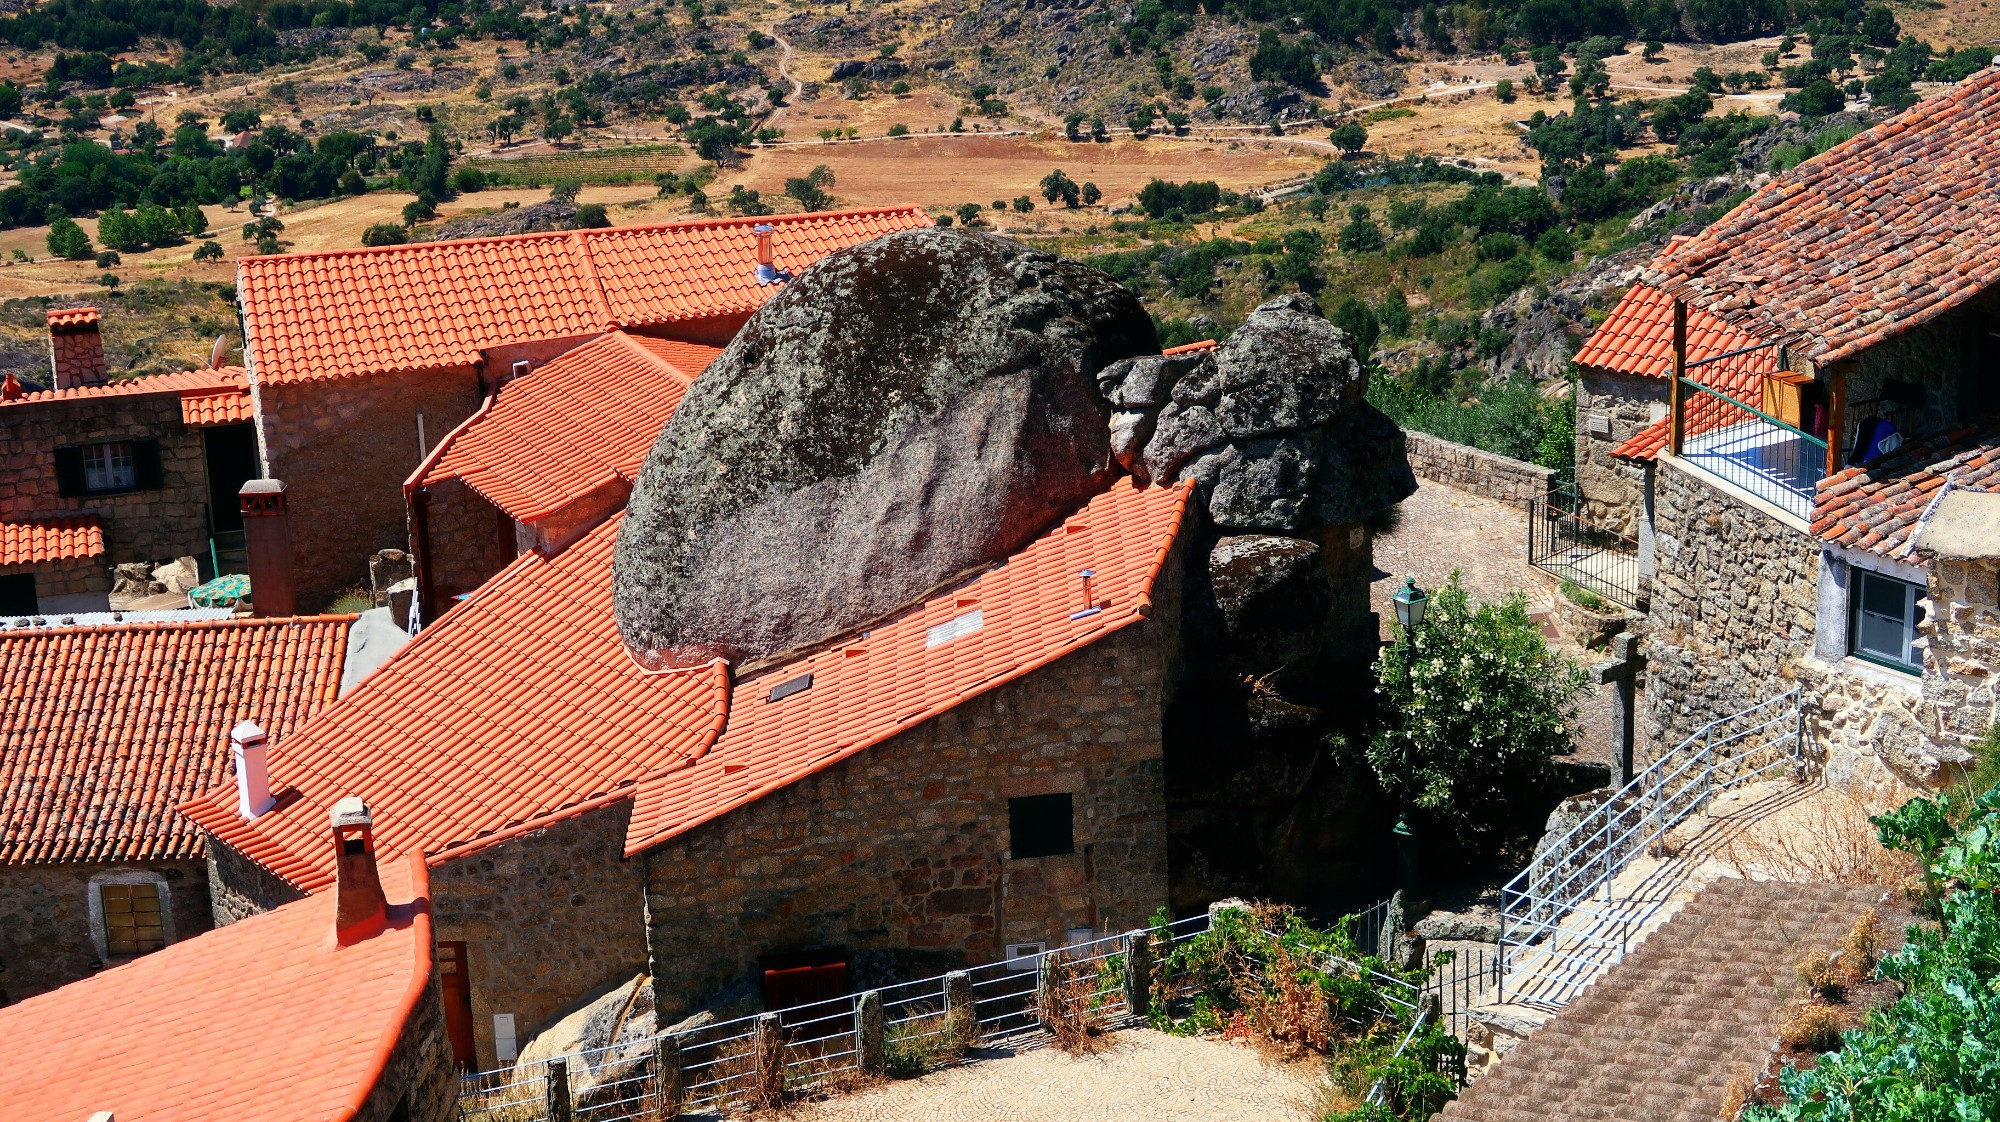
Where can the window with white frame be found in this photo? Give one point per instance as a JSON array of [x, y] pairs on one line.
[[109, 467], [1882, 617]]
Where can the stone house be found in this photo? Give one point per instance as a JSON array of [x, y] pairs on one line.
[[99, 471], [1835, 337], [103, 730], [544, 460], [324, 1011], [362, 360], [980, 772]]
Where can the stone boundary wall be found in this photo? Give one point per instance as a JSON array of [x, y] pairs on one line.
[[1476, 470]]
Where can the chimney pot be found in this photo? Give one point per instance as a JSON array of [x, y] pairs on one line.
[[267, 536], [767, 269], [253, 777], [360, 909], [76, 348]]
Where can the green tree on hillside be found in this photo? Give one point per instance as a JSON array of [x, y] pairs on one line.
[[67, 239], [1349, 138]]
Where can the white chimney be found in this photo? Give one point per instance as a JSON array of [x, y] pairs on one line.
[[253, 776]]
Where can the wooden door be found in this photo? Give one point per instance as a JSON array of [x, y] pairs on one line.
[[456, 982]]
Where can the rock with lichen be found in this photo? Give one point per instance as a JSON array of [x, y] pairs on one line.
[[903, 413]]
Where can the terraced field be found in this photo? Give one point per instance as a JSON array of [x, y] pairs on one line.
[[633, 163]]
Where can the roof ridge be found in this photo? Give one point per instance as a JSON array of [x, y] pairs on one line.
[[600, 302], [175, 625], [556, 235], [645, 354]]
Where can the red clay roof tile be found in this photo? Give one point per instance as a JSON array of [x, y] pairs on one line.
[[564, 430], [1877, 507], [960, 643], [265, 1018], [438, 304], [1638, 339], [1880, 234], [203, 381], [30, 541], [104, 729], [71, 317], [525, 698]]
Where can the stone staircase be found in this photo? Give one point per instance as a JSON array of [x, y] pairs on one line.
[[1661, 1034]]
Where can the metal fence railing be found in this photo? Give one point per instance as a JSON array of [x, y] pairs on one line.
[[764, 1058], [1555, 935], [1768, 457], [1461, 985], [1562, 543]]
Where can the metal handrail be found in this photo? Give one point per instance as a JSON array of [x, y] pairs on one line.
[[1540, 901], [1786, 425]]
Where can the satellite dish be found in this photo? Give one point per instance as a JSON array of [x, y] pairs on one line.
[[216, 352]]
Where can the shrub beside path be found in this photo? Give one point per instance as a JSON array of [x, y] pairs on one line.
[[1139, 1074]]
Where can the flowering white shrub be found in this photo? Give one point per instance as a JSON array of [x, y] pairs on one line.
[[1478, 706]]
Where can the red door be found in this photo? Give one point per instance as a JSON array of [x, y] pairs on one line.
[[456, 982]]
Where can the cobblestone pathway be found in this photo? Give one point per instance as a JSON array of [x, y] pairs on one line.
[[1444, 528], [1142, 1075]]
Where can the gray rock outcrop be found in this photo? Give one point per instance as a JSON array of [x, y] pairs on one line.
[[903, 413], [1272, 423]]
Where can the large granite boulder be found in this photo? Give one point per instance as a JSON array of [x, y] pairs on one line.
[[906, 411], [1272, 423]]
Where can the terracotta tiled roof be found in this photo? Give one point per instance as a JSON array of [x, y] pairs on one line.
[[1638, 339], [1007, 622], [438, 304], [518, 707], [1877, 507], [71, 317], [104, 729], [32, 541], [1881, 233], [221, 406], [265, 1018], [521, 705], [199, 382], [564, 430], [1661, 1036]]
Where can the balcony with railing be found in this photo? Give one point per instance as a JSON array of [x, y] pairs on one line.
[[1762, 454]]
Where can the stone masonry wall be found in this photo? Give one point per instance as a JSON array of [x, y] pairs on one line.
[[1471, 469], [420, 1077], [45, 928], [240, 888], [549, 919], [1962, 627], [73, 576], [902, 849], [1735, 599], [152, 525], [470, 540], [343, 447], [1613, 491]]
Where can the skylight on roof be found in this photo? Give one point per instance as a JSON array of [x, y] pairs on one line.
[[785, 689], [957, 627]]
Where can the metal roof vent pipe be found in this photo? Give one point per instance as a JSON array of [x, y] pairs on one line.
[[360, 908], [767, 267], [249, 749], [1090, 608]]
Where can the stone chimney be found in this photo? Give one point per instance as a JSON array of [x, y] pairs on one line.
[[360, 909], [76, 348], [267, 536], [253, 777]]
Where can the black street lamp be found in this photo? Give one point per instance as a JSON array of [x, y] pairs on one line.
[[1411, 603]]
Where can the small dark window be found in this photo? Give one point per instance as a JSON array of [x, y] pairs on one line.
[[110, 468], [17, 595], [1040, 826]]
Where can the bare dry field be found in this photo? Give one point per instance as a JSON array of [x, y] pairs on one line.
[[938, 171]]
